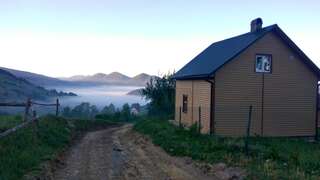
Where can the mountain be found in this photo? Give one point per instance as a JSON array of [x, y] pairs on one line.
[[142, 78], [112, 78], [13, 88], [136, 92], [38, 79]]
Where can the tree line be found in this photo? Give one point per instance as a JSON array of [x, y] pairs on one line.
[[159, 91]]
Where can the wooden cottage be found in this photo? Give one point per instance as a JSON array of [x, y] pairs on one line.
[[263, 69]]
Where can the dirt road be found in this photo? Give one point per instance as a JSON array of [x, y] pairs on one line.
[[120, 153]]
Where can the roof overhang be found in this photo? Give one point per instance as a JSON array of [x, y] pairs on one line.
[[194, 77]]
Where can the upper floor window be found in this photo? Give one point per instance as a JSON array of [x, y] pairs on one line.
[[263, 63]]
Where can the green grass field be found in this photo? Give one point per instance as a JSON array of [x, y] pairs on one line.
[[27, 148], [7, 122], [270, 158]]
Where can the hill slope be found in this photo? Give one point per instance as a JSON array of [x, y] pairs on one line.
[[38, 79], [13, 88]]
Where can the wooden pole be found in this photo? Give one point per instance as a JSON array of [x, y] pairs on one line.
[[199, 119], [36, 122], [57, 107], [26, 112], [248, 131], [180, 117]]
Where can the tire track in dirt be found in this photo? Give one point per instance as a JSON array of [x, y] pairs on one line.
[[122, 154]]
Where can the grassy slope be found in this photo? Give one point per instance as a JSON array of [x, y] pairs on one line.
[[7, 122], [270, 158], [24, 151]]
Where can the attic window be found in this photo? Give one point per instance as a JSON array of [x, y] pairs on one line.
[[185, 103], [263, 63]]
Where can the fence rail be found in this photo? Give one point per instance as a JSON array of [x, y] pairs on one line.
[[33, 117], [13, 104]]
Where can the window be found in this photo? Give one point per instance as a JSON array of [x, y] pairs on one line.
[[263, 64], [185, 103]]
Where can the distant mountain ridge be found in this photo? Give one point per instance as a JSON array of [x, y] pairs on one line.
[[37, 79], [112, 78], [13, 88]]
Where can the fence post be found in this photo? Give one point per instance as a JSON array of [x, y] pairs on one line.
[[26, 112], [57, 107], [199, 119], [248, 132], [180, 117], [35, 122]]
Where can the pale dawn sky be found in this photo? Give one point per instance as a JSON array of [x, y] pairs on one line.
[[69, 37]]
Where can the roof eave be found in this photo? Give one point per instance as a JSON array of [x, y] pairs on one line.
[[295, 48], [194, 77]]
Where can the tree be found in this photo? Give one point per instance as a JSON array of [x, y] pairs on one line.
[[136, 106], [66, 112], [111, 109], [161, 93], [125, 112], [93, 111], [84, 110]]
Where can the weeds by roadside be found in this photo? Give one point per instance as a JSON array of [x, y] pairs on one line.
[[270, 158], [27, 148], [7, 121]]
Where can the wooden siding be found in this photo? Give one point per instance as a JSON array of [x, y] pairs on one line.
[[236, 88], [184, 88], [290, 92], [201, 98], [199, 94], [318, 119], [289, 95]]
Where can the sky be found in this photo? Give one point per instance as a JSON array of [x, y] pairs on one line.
[[62, 38]]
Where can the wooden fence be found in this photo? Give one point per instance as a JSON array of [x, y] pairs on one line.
[[27, 118]]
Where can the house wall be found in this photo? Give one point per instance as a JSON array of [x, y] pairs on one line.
[[199, 94], [284, 105]]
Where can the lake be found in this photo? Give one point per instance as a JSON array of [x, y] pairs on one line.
[[101, 95]]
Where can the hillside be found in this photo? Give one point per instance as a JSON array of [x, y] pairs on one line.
[[136, 92], [142, 78], [112, 78], [13, 88], [49, 82]]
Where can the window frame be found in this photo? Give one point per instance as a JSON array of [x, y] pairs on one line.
[[255, 63], [185, 103]]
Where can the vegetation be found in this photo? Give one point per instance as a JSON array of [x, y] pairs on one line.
[[24, 150], [87, 111], [161, 93], [109, 113], [83, 111], [7, 122], [270, 158]]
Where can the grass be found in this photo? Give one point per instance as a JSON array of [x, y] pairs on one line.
[[27, 148], [270, 158], [7, 122]]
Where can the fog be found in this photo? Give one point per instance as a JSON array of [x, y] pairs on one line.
[[100, 95]]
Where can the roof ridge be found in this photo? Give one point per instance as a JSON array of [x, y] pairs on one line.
[[247, 33], [219, 53]]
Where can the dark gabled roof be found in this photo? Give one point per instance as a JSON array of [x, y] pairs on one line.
[[219, 53]]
